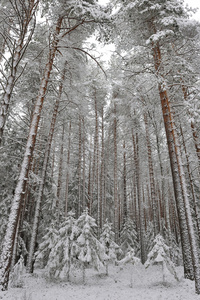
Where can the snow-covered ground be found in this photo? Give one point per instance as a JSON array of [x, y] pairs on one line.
[[146, 284]]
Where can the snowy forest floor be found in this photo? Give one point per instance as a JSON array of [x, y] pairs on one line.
[[147, 284]]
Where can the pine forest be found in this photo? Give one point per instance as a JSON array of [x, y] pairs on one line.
[[99, 153]]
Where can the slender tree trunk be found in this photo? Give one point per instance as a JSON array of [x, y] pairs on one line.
[[139, 196], [116, 202], [135, 210], [120, 215], [67, 175], [191, 262], [160, 210], [18, 52], [13, 261], [79, 167], [93, 173], [125, 209], [97, 165], [84, 165], [195, 202], [174, 221], [149, 204], [102, 172], [192, 239], [89, 184], [144, 209], [164, 197], [193, 125], [43, 176], [60, 174], [151, 176], [140, 205], [16, 207], [53, 160]]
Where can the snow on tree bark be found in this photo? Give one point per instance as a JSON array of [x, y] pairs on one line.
[[60, 174], [7, 252], [151, 177], [67, 175], [102, 171], [84, 165], [139, 198], [43, 176], [194, 198], [191, 260], [177, 186], [79, 210], [115, 192], [28, 12], [125, 208]]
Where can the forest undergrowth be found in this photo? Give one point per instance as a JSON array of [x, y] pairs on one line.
[[118, 285]]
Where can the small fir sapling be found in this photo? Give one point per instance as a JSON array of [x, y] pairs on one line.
[[17, 274], [176, 252], [60, 258], [160, 254], [129, 237], [48, 243], [21, 248], [149, 236], [86, 247], [130, 258], [174, 246], [107, 240]]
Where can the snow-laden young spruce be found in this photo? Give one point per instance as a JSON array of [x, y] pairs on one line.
[[60, 259], [129, 237], [85, 246], [56, 250], [107, 240], [130, 258], [17, 274], [49, 241], [74, 243], [160, 254]]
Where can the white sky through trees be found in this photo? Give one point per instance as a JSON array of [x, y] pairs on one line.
[[105, 51], [194, 4]]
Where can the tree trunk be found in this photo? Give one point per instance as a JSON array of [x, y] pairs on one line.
[[97, 165], [79, 167], [191, 266], [16, 207], [67, 175], [84, 166], [193, 125], [60, 175], [151, 177], [93, 173], [102, 172], [164, 196], [90, 183], [195, 202], [116, 202], [135, 208], [139, 197], [125, 210], [17, 54], [43, 176]]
